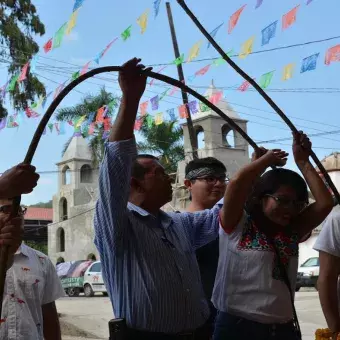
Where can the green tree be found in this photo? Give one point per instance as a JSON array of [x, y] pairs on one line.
[[40, 246], [19, 23], [90, 104], [164, 140], [48, 204]]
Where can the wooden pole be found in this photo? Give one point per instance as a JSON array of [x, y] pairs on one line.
[[42, 125], [258, 88], [192, 134]]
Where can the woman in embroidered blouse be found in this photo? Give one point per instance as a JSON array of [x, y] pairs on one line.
[[250, 291]]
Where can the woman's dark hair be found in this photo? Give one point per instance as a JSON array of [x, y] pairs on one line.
[[269, 183]]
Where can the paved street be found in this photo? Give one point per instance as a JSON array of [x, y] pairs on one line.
[[87, 318]]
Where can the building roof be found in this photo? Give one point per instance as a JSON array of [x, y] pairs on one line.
[[78, 149], [332, 162], [43, 214], [223, 105]]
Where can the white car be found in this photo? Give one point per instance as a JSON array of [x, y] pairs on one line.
[[308, 273], [93, 280]]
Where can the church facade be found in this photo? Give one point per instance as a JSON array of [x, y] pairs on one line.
[[70, 236]]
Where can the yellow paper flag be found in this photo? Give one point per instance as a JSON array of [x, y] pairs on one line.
[[72, 22], [79, 121], [142, 21], [159, 118], [288, 71], [247, 48], [194, 51]]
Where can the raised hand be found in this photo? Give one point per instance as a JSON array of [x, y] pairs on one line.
[[21, 179], [132, 79], [258, 153], [301, 147], [275, 157]]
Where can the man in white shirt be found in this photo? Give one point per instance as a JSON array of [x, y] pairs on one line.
[[328, 244], [32, 286]]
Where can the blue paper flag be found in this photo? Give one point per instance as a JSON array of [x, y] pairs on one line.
[[3, 122], [77, 4], [309, 63], [213, 33], [91, 117], [154, 102], [171, 113], [269, 33], [156, 5], [258, 3], [193, 107]]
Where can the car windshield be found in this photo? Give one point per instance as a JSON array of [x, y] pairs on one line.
[[312, 262]]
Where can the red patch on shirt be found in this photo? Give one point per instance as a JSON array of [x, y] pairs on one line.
[[25, 269]]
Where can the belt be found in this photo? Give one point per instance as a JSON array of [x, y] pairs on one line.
[[135, 334]]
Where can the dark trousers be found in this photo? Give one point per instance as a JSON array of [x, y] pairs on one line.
[[230, 327]]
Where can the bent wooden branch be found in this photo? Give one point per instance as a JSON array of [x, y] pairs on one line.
[[42, 125], [265, 96]]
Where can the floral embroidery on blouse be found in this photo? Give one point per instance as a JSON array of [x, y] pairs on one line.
[[253, 239]]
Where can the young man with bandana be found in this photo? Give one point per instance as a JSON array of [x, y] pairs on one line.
[[205, 178]]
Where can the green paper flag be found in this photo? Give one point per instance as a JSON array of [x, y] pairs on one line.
[[127, 33], [266, 79], [112, 104], [179, 60], [12, 83], [75, 75], [149, 121], [163, 94], [59, 36], [203, 107], [50, 126]]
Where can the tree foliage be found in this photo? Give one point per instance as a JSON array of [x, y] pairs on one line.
[[165, 141], [48, 204], [88, 105], [19, 22]]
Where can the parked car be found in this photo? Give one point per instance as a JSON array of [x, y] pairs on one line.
[[93, 280], [308, 273], [71, 275]]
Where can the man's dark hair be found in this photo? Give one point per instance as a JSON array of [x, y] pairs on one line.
[[209, 162], [138, 171]]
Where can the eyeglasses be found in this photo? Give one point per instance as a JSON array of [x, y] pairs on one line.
[[287, 202], [212, 180], [7, 209]]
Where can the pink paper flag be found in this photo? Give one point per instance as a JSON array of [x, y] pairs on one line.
[[159, 71], [203, 71], [332, 54], [234, 19], [173, 90], [85, 68], [244, 86], [143, 107], [215, 98], [48, 46], [183, 111], [289, 18], [138, 124], [23, 72]]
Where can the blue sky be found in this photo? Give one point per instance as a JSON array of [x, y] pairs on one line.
[[101, 21]]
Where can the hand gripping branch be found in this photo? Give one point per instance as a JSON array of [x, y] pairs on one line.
[[42, 125], [264, 95]]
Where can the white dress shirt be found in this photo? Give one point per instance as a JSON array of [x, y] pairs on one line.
[[31, 282]]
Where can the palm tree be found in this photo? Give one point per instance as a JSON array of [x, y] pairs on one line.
[[88, 105], [164, 140]]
